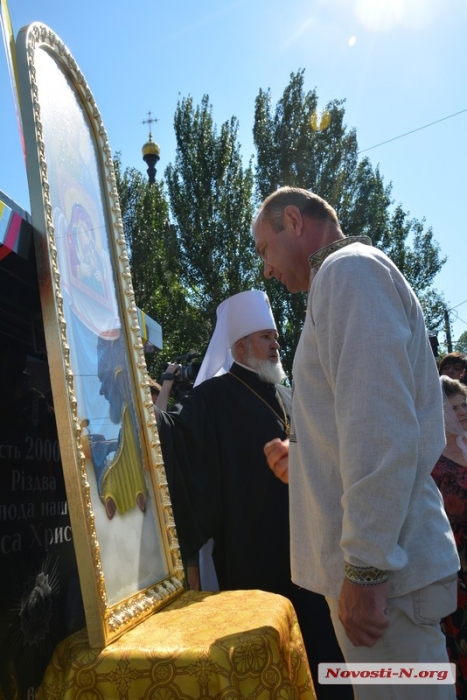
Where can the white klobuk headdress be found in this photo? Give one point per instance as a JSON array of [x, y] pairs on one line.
[[452, 424], [237, 316]]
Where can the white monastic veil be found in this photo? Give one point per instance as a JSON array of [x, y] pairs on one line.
[[452, 424], [237, 316]]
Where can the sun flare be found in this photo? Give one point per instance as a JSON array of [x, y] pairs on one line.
[[380, 15], [385, 15]]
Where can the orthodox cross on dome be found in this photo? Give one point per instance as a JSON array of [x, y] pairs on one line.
[[150, 120]]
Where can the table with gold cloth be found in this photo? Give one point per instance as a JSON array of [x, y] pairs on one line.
[[228, 645]]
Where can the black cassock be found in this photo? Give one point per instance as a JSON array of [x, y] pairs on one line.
[[222, 487]]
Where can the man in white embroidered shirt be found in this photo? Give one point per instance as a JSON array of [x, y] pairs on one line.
[[368, 529], [220, 484]]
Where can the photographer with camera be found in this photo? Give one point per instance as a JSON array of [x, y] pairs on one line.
[[167, 380], [220, 484], [178, 379]]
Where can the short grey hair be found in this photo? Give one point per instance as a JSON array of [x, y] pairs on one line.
[[308, 203], [234, 347]]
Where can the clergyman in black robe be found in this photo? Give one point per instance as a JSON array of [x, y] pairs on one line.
[[222, 488]]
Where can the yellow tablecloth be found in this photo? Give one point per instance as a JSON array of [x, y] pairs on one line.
[[230, 645]]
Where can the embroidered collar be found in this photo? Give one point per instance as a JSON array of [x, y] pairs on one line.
[[317, 259]]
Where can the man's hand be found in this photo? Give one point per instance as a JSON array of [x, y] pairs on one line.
[[277, 455], [363, 612], [171, 372]]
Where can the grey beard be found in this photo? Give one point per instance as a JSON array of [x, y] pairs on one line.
[[271, 372]]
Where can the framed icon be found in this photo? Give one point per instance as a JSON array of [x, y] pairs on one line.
[[121, 517]]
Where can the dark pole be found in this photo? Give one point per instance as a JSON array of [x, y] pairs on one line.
[[447, 328]]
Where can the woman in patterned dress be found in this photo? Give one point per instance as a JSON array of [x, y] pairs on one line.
[[450, 474]]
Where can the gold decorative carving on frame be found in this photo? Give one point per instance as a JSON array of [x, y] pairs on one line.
[[120, 617]]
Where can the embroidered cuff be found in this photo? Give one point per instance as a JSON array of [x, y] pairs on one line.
[[365, 575]]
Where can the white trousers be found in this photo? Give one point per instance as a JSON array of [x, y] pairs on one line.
[[413, 636]]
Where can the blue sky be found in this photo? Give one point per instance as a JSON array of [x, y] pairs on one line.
[[399, 64]]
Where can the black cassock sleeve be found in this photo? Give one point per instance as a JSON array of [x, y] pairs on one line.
[[189, 450]]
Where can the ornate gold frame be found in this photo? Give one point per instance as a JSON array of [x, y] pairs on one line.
[[107, 617]]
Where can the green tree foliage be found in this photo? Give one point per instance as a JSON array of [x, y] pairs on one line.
[[155, 263], [211, 203], [433, 305], [298, 146], [461, 344], [420, 261], [184, 270]]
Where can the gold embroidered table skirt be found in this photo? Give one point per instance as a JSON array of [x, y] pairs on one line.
[[228, 645]]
